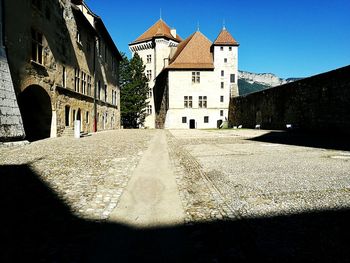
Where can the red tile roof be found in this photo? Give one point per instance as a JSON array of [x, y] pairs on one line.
[[193, 53], [159, 29], [225, 38]]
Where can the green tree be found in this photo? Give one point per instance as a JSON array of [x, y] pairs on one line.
[[133, 95]]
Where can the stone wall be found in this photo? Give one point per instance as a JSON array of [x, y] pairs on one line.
[[69, 54], [318, 103], [11, 127]]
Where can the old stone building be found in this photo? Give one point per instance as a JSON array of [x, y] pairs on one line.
[[64, 66]]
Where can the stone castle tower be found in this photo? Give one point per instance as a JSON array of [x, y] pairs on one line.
[[225, 49], [155, 46]]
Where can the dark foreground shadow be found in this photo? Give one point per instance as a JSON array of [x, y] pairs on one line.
[[321, 140], [36, 226]]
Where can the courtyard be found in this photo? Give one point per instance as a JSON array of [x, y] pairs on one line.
[[176, 195]]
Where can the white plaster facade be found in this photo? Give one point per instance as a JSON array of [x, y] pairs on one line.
[[155, 56], [213, 87], [180, 85]]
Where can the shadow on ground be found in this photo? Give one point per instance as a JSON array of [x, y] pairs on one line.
[[36, 226], [322, 140]]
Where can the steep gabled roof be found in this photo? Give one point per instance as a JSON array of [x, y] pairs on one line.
[[159, 29], [225, 38], [193, 53]]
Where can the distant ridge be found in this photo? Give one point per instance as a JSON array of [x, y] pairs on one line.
[[249, 82]]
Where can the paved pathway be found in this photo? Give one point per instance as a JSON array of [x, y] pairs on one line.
[[151, 197]]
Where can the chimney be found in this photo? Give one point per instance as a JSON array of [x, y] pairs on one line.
[[173, 32]]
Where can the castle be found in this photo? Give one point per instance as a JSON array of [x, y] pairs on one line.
[[191, 81]]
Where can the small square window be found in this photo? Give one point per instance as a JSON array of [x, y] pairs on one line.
[[184, 119], [221, 48], [230, 48], [206, 119], [232, 78], [149, 58]]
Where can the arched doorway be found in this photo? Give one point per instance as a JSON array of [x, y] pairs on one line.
[[36, 110]]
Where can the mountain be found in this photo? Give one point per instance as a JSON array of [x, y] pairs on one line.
[[249, 82]]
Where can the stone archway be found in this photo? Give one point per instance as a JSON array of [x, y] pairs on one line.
[[36, 110]]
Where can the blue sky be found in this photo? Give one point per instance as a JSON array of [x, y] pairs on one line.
[[288, 38]]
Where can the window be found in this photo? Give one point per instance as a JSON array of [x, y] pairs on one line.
[[64, 77], [196, 77], [149, 58], [188, 101], [206, 119], [105, 90], [149, 95], [222, 73], [77, 80], [83, 82], [221, 98], [232, 78], [230, 48], [99, 89], [221, 113], [149, 109], [221, 48], [149, 74], [114, 97], [202, 101], [78, 36], [184, 119], [89, 85], [87, 117], [222, 84], [37, 47], [225, 60]]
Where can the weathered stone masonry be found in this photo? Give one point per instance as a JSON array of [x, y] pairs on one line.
[[11, 127], [64, 67], [319, 103]]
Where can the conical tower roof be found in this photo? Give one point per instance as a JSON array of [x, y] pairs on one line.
[[159, 29], [225, 39]]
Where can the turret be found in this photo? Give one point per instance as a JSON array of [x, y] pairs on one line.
[[225, 52]]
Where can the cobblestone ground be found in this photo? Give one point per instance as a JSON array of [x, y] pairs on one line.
[[246, 198], [89, 174], [250, 178]]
